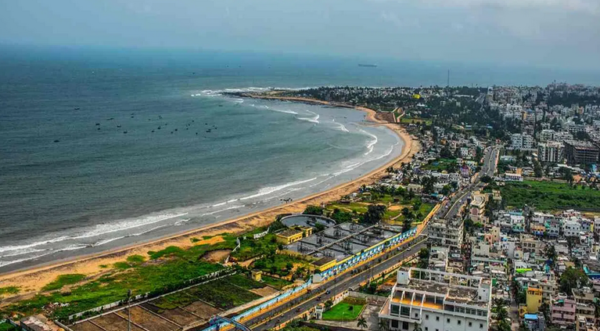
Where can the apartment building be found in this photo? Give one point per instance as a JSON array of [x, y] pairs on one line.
[[437, 301], [446, 232], [563, 311], [551, 151]]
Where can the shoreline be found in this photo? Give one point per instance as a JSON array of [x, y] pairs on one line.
[[32, 279]]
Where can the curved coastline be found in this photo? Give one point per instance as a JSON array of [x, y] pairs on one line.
[[33, 278]]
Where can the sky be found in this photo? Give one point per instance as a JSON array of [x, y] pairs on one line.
[[561, 34]]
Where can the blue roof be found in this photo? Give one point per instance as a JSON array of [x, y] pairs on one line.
[[531, 317]]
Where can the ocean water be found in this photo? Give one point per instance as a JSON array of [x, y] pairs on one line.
[[102, 148], [97, 155]]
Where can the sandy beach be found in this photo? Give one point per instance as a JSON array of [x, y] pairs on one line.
[[32, 280]]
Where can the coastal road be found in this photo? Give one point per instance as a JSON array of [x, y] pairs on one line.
[[329, 289]]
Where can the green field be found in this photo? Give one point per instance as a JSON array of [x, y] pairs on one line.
[[550, 196], [347, 310], [277, 283], [224, 293], [111, 288], [440, 165], [279, 264], [251, 248]]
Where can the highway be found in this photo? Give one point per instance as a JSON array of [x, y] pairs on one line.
[[331, 288]]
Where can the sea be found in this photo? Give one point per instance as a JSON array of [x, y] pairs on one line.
[[101, 148]]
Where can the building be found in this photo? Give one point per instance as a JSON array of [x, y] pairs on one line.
[[446, 232], [562, 311], [550, 152], [521, 141], [547, 135], [584, 299], [437, 301], [477, 206], [581, 152], [571, 228], [289, 236], [534, 299]]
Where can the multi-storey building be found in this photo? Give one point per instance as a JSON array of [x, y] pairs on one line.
[[584, 298], [446, 232], [521, 141], [547, 135], [563, 311], [580, 152], [438, 301], [550, 151]]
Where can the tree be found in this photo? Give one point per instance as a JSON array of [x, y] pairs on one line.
[[537, 169], [383, 325], [374, 214], [406, 224], [362, 323], [313, 210], [486, 179], [551, 254], [417, 327], [572, 278]]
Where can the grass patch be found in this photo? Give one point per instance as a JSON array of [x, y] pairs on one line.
[[136, 259], [221, 294], [277, 283], [108, 289], [278, 264], [63, 280], [251, 248], [9, 290], [347, 310], [175, 300], [7, 327], [240, 280], [548, 195], [441, 165]]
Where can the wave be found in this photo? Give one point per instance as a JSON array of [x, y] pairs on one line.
[[340, 126], [272, 189], [314, 119], [106, 241], [126, 225], [371, 144], [22, 252], [214, 93], [35, 244], [221, 210]]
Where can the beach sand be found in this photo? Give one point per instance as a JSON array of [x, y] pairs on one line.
[[30, 281]]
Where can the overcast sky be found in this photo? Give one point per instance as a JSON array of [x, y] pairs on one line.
[[557, 33]]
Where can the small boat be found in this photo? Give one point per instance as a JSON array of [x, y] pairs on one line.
[[124, 132], [56, 140]]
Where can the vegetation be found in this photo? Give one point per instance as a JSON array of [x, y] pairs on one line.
[[220, 294], [251, 248], [9, 290], [155, 278], [571, 278], [7, 327], [347, 310], [449, 165], [313, 210], [279, 264], [62, 280], [550, 196], [277, 283]]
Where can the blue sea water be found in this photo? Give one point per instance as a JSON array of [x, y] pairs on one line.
[[101, 148]]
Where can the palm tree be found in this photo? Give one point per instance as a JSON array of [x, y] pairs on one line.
[[362, 323], [383, 325], [417, 327]]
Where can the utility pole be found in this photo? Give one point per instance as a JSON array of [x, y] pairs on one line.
[[129, 310], [448, 82]]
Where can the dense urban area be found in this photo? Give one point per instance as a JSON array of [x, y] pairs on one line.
[[493, 224]]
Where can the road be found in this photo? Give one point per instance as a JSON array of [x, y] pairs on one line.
[[489, 167], [329, 289]]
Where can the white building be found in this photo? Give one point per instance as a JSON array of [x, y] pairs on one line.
[[521, 141], [547, 135], [550, 151], [438, 301], [571, 228]]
